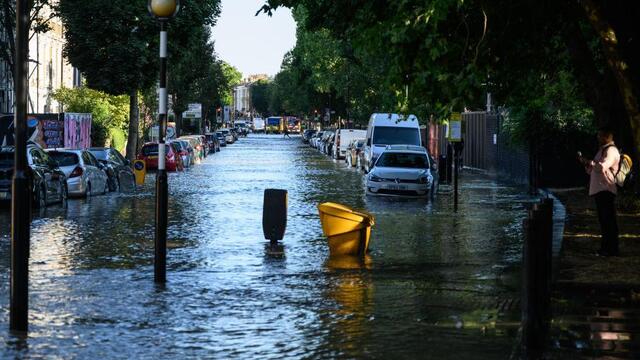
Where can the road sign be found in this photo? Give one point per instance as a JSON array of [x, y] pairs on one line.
[[227, 113], [455, 128]]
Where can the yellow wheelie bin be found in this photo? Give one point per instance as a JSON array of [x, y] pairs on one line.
[[347, 230]]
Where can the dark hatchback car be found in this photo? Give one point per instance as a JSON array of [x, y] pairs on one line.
[[48, 182], [118, 168]]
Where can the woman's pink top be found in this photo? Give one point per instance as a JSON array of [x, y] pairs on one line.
[[603, 169]]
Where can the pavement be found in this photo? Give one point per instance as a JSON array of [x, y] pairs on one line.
[[596, 300]]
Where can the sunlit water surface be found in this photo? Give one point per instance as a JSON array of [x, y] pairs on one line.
[[434, 285]]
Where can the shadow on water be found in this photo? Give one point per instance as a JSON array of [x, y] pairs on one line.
[[431, 286]]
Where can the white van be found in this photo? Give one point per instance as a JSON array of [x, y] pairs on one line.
[[342, 140], [389, 129]]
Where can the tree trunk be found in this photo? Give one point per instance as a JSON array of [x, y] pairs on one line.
[[618, 67], [132, 141]]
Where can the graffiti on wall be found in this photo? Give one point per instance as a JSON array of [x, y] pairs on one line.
[[77, 130]]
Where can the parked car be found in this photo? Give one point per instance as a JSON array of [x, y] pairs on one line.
[[360, 158], [235, 133], [353, 151], [343, 138], [190, 152], [149, 153], [228, 136], [205, 144], [389, 129], [182, 149], [48, 185], [196, 146], [214, 143], [177, 148], [85, 175], [202, 145], [307, 135], [401, 170], [315, 139], [118, 168], [322, 142], [221, 138], [328, 145]]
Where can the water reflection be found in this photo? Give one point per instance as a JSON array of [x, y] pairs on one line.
[[231, 294]]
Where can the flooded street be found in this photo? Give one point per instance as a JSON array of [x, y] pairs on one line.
[[435, 284]]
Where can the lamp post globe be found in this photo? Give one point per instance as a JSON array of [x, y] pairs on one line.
[[163, 9]]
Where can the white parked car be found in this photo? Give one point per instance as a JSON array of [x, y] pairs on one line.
[[85, 174], [402, 170], [313, 142], [389, 129], [228, 136], [342, 140]]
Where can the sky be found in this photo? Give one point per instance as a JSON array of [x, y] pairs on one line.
[[253, 44]]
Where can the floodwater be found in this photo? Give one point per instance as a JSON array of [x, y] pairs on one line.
[[435, 284]]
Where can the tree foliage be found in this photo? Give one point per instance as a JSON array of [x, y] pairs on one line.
[[450, 53], [260, 96], [232, 77], [110, 113]]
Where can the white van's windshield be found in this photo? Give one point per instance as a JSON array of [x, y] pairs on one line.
[[388, 135]]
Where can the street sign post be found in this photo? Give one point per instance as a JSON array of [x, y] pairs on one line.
[[455, 128], [455, 137]]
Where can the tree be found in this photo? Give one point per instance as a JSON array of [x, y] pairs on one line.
[[260, 96], [109, 113], [449, 53], [114, 45], [190, 74], [232, 78], [109, 43]]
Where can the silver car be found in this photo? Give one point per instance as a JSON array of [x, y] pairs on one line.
[[401, 170], [85, 174]]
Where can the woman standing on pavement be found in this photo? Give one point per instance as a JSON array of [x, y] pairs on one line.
[[602, 187]]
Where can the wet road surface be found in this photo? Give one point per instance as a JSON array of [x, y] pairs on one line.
[[435, 285]]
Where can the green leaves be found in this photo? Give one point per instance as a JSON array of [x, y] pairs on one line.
[[109, 112]]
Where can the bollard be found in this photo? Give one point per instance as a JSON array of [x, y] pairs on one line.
[[537, 275], [530, 314], [274, 214], [449, 163], [443, 170], [140, 171]]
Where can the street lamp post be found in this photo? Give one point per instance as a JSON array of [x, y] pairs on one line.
[[163, 11], [21, 196]]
